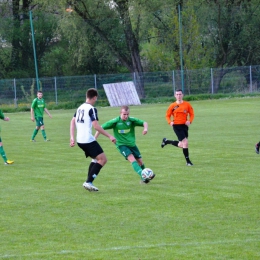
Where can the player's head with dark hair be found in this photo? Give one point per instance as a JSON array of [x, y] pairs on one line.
[[91, 93], [39, 94], [178, 95]]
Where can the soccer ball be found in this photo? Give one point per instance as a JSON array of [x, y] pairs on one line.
[[147, 174]]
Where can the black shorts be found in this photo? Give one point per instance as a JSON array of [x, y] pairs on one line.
[[92, 149], [181, 131]]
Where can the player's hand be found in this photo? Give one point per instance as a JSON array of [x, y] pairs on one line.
[[6, 119], [187, 123], [72, 143], [145, 131], [32, 118], [113, 139]]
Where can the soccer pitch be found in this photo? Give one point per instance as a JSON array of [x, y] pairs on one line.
[[208, 211]]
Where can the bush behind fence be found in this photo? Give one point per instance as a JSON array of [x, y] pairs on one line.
[[157, 85]]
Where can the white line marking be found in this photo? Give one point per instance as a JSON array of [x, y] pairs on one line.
[[121, 248]]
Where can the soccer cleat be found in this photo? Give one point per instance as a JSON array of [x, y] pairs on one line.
[[46, 140], [89, 186], [189, 164], [144, 181], [163, 142], [32, 140], [147, 180], [9, 162], [257, 148]]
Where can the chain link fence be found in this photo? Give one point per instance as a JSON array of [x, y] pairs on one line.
[[150, 85]]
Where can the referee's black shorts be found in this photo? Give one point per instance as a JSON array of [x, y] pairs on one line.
[[181, 131]]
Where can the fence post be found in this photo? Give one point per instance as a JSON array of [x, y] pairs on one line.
[[134, 79], [251, 85], [95, 80], [212, 81], [56, 92], [15, 96], [173, 82]]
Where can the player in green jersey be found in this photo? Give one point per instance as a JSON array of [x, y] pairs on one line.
[[124, 131], [37, 110], [2, 152]]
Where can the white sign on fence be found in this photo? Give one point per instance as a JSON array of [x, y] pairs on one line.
[[122, 94]]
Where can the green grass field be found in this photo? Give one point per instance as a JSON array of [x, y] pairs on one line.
[[208, 211]]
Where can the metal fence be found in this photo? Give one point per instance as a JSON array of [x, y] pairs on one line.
[[20, 92]]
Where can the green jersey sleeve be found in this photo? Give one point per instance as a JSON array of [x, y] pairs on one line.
[[110, 124], [137, 121]]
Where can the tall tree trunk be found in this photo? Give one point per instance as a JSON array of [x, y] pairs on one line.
[[130, 60], [15, 59], [217, 78], [132, 44], [19, 55]]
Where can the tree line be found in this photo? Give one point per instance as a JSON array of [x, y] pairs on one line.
[[118, 36]]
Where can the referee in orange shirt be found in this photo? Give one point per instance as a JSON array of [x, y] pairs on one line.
[[180, 115]]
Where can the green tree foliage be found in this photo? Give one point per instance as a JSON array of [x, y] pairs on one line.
[[103, 36], [161, 51], [232, 28], [16, 31]]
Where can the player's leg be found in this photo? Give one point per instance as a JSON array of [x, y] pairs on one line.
[[176, 143], [41, 123], [257, 147], [137, 168], [93, 150], [182, 133], [127, 153], [95, 167], [35, 131], [185, 150], [3, 154], [93, 162], [140, 162], [185, 145], [165, 141]]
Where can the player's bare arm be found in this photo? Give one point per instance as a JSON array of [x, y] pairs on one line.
[[145, 128], [47, 112], [32, 115], [72, 131], [99, 129], [96, 135]]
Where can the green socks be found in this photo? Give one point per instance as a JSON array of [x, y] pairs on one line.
[[2, 152], [137, 168], [44, 134], [35, 132]]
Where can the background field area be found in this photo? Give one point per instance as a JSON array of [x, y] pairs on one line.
[[208, 211]]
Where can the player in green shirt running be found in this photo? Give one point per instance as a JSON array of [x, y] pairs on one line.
[[124, 131], [2, 152], [37, 110]]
